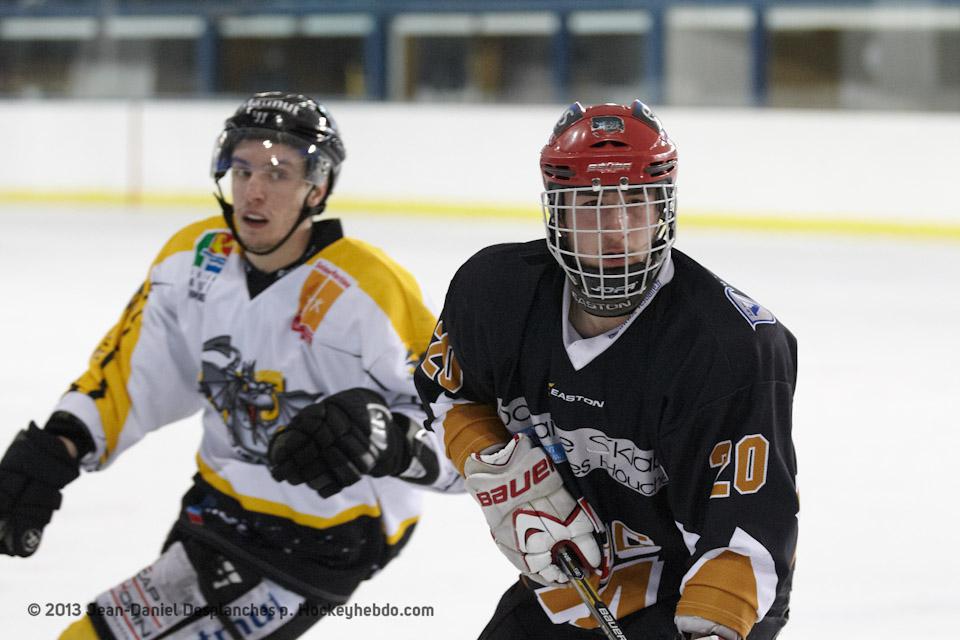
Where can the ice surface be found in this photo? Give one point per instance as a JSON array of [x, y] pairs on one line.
[[876, 423]]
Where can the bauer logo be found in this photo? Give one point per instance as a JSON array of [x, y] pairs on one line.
[[517, 486], [749, 308], [30, 540]]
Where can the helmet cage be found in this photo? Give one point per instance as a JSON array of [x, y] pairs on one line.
[[613, 282]]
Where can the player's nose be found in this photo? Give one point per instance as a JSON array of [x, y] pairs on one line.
[[256, 186]]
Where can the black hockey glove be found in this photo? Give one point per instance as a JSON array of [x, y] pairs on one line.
[[333, 443], [34, 469]]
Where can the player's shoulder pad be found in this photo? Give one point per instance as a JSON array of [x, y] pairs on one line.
[[211, 233], [748, 335], [492, 291], [371, 267], [502, 267], [391, 287]]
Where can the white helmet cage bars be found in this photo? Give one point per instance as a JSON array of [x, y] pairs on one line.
[[610, 240]]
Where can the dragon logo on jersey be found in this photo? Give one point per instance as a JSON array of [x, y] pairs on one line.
[[211, 253], [749, 308], [320, 290], [253, 403]]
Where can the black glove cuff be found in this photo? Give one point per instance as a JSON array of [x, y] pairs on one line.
[[400, 451], [42, 456], [417, 462], [73, 429]]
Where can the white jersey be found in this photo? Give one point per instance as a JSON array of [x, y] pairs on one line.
[[192, 338]]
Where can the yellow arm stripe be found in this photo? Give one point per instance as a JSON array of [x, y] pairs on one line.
[[281, 510], [398, 296], [105, 381], [724, 590], [470, 428]]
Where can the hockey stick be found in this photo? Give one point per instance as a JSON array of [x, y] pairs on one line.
[[569, 564]]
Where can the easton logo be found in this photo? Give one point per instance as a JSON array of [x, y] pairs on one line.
[[570, 397], [533, 476]]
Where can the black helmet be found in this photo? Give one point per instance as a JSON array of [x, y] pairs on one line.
[[285, 118]]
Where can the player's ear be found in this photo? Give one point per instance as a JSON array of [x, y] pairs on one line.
[[318, 193]]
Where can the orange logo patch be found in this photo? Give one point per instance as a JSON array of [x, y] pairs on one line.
[[320, 290]]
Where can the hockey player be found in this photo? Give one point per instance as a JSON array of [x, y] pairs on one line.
[[603, 390], [271, 322]]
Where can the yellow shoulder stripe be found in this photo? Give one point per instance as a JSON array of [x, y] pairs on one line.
[[105, 380], [391, 286], [186, 238]]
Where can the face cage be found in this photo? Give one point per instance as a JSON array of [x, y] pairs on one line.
[[318, 165], [611, 224]]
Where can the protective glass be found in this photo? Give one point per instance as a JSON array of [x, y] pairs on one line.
[[314, 167]]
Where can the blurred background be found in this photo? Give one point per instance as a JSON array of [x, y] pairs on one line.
[[819, 159], [839, 54]]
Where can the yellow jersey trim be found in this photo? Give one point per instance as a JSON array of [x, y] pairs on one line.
[[259, 505], [402, 530], [391, 286]]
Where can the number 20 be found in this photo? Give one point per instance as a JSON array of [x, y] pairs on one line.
[[749, 469]]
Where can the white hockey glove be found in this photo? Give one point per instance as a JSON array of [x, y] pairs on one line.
[[529, 511], [697, 628]]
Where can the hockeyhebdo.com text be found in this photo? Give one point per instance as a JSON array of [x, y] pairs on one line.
[[357, 610], [260, 611]]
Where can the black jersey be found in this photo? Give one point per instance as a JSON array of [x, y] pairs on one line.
[[678, 432]]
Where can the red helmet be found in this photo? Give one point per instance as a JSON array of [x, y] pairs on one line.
[[609, 204], [607, 142]]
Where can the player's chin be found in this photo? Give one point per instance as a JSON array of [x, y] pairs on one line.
[[255, 239]]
